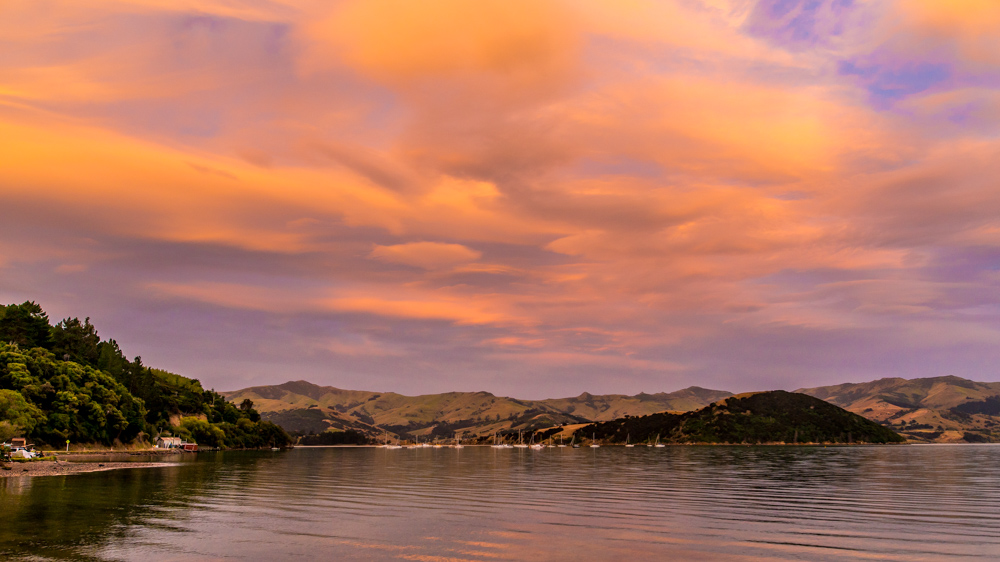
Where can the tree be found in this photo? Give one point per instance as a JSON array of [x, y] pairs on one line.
[[9, 430], [17, 415], [26, 325], [77, 341], [246, 404]]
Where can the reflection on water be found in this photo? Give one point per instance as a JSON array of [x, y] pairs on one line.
[[889, 503]]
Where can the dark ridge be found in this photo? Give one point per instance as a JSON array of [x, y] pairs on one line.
[[765, 417]]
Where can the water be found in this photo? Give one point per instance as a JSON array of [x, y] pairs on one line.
[[447, 505]]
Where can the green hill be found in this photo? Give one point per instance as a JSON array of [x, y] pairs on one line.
[[763, 417], [63, 382]]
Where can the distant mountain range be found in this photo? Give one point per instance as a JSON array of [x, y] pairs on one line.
[[300, 406], [939, 409]]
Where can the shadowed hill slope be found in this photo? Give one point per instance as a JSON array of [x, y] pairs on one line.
[[762, 417]]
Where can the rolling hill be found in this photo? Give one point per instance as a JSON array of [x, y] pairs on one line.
[[939, 409], [304, 407], [936, 409]]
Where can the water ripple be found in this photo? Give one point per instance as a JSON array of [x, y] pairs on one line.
[[741, 503]]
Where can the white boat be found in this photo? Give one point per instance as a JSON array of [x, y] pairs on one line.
[[535, 446], [458, 443], [520, 445], [560, 445], [496, 445], [386, 445], [627, 444], [593, 442], [658, 444]]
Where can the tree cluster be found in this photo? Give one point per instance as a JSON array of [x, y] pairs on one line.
[[62, 381]]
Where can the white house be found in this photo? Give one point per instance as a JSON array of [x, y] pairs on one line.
[[168, 443]]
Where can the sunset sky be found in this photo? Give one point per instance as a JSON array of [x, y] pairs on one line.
[[525, 197]]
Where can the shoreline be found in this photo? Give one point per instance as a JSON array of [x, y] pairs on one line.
[[63, 468]]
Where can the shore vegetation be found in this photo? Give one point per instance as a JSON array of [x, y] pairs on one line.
[[62, 383]]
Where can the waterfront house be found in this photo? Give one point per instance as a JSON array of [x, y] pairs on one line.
[[168, 443]]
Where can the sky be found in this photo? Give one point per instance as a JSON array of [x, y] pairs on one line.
[[529, 197]]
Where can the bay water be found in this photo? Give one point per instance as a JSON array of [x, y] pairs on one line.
[[913, 502]]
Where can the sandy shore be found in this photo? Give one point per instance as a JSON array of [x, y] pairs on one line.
[[57, 468]]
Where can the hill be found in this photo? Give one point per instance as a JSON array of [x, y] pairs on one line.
[[936, 409], [63, 382], [303, 407], [762, 417]]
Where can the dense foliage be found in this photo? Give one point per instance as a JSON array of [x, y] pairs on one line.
[[348, 437], [989, 406], [765, 417], [63, 382]]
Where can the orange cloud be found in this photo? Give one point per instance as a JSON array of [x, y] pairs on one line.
[[581, 182], [970, 27], [426, 308], [428, 255], [394, 40]]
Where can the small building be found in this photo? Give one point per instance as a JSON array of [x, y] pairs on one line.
[[18, 442], [169, 443]]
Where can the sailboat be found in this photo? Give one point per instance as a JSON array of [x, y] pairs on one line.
[[535, 446], [658, 444], [572, 442], [561, 446], [627, 444], [520, 445], [593, 442], [458, 443], [387, 445], [499, 445], [385, 437]]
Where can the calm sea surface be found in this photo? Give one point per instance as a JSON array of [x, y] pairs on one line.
[[920, 502]]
